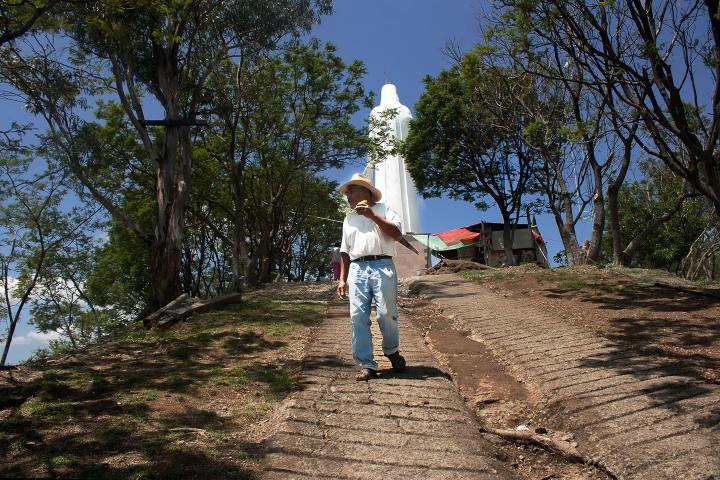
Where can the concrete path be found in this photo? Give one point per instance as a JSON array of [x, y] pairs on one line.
[[638, 417], [399, 426]]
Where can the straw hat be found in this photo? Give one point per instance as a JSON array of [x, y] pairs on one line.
[[359, 180]]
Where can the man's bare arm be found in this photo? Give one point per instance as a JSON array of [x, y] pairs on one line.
[[344, 269]]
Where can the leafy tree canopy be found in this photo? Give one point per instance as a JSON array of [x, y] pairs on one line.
[[649, 198]]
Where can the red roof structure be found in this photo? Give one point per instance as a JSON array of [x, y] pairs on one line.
[[458, 235]]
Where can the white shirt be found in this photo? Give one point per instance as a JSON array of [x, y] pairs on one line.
[[361, 236]]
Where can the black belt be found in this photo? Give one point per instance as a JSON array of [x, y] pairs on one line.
[[370, 257]]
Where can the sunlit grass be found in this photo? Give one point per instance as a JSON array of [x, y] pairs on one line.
[[483, 275], [140, 396]]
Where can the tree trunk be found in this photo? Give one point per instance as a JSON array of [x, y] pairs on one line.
[[508, 238], [703, 250], [8, 340], [573, 252], [186, 274], [164, 267], [619, 257], [598, 225], [172, 199], [240, 263], [636, 242], [239, 256]]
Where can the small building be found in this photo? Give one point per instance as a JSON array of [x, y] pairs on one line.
[[483, 243]]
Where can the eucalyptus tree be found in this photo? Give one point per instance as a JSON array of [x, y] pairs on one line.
[[170, 49], [310, 222], [468, 140], [567, 129], [158, 53]]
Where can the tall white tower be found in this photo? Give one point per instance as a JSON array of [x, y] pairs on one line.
[[391, 177]]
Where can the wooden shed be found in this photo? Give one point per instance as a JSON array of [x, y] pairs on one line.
[[483, 243]]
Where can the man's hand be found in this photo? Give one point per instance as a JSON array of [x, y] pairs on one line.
[[342, 289], [365, 210]]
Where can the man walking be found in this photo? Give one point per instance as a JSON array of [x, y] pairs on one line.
[[367, 272]]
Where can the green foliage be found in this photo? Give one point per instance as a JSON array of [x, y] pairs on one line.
[[300, 124], [467, 139], [191, 34], [17, 448], [294, 106], [63, 460], [120, 277], [38, 233], [649, 198], [560, 258], [19, 18]]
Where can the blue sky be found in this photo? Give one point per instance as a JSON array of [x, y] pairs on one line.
[[400, 41]]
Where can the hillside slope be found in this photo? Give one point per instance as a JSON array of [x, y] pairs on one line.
[[194, 401]]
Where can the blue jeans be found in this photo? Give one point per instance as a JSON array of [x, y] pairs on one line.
[[368, 280]]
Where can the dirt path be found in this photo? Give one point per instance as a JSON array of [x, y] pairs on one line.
[[498, 399], [636, 415]]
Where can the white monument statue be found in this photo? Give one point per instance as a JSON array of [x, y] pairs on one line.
[[390, 175]]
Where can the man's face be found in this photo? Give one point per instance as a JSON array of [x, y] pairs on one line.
[[356, 193]]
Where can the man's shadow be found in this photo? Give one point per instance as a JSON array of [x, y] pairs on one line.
[[413, 372]]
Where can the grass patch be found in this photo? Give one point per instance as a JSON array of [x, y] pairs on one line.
[[577, 284], [40, 409], [233, 376], [139, 396], [278, 380], [183, 351], [705, 282], [174, 377], [646, 276], [177, 382], [253, 411], [17, 448], [212, 452], [556, 276], [154, 445], [280, 329], [14, 422], [481, 276], [118, 429], [140, 474], [129, 377], [63, 460]]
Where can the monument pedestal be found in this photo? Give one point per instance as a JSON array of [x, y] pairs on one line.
[[407, 262]]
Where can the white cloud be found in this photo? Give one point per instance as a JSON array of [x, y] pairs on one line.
[[20, 340], [35, 338], [12, 283], [44, 337]]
